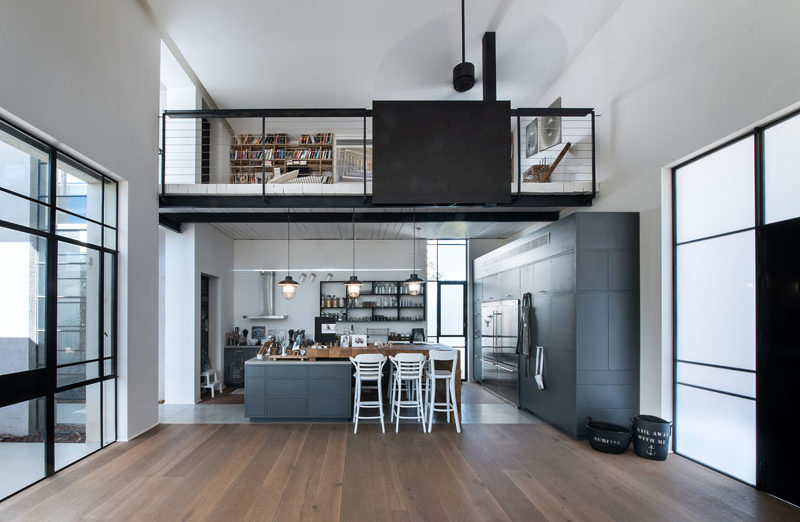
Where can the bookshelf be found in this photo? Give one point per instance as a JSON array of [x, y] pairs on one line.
[[311, 153], [380, 301]]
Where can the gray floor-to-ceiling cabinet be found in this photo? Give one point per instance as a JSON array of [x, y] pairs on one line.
[[583, 275]]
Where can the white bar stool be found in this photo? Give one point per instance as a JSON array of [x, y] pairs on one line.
[[408, 371], [369, 368], [449, 377]]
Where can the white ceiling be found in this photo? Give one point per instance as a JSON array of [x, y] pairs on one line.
[[319, 53], [443, 230]]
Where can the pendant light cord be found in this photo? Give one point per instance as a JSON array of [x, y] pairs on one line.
[[463, 53], [354, 242], [288, 242], [414, 266]]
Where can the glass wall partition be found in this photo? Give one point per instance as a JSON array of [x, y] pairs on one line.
[[58, 312], [735, 306]]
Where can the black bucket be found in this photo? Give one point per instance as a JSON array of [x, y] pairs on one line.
[[606, 437], [651, 437]]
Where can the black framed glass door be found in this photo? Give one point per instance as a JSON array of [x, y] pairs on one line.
[[58, 236]]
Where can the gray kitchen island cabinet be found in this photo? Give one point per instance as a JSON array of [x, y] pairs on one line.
[[298, 390]]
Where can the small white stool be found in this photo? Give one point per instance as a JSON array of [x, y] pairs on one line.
[[208, 379], [369, 368], [449, 377], [408, 371]]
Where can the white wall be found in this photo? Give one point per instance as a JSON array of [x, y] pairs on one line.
[[85, 73], [667, 79], [198, 250], [304, 307], [214, 258]]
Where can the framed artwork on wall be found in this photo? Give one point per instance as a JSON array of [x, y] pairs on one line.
[[358, 340], [532, 138]]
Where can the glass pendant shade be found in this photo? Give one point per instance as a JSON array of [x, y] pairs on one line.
[[414, 284], [288, 287], [353, 286]]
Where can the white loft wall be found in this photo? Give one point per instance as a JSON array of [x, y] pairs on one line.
[[667, 79], [178, 92], [86, 73], [197, 250], [304, 307]]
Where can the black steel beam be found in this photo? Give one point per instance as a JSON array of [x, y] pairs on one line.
[[360, 217], [271, 113], [299, 201], [552, 111], [166, 220], [489, 77]]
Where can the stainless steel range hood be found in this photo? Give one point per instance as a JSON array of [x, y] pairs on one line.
[[267, 298]]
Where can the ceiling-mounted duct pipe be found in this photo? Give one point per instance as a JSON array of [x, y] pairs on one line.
[[267, 298]]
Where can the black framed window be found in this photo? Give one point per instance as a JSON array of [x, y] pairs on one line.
[[58, 259], [446, 292]]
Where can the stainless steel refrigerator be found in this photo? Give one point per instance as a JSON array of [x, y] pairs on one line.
[[499, 359]]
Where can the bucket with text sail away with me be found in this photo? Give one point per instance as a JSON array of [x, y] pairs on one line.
[[651, 437]]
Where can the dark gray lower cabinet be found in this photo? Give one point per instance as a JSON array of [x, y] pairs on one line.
[[233, 354], [287, 390]]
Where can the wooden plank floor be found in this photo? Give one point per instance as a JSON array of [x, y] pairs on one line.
[[324, 472]]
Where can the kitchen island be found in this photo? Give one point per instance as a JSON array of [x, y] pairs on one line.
[[317, 388]]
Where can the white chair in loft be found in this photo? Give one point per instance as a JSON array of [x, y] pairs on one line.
[[209, 379], [369, 368], [449, 377], [408, 374]]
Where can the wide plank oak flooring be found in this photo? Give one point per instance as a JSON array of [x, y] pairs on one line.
[[324, 472]]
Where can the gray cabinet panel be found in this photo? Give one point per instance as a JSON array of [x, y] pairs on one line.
[[562, 274], [593, 270], [608, 230], [593, 331], [252, 370], [287, 371], [286, 387], [329, 387], [623, 270], [623, 335], [287, 407], [526, 279], [562, 321], [508, 283], [255, 404], [329, 371], [329, 407], [541, 277], [491, 287]]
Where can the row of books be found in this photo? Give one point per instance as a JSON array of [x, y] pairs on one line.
[[312, 154], [321, 138], [259, 139], [283, 139]]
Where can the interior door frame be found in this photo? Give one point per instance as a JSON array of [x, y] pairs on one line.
[[465, 310]]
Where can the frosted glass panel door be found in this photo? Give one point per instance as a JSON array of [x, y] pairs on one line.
[[715, 194], [782, 171], [717, 301], [715, 294]]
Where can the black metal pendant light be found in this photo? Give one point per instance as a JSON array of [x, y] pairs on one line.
[[463, 73], [414, 283], [288, 285], [353, 285]]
